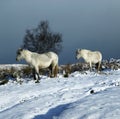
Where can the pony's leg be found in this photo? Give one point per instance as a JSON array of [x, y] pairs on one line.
[[56, 71], [99, 63], [38, 78], [53, 71], [50, 71], [34, 74], [90, 66], [37, 73]]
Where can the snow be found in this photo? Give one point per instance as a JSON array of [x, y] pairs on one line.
[[63, 98]]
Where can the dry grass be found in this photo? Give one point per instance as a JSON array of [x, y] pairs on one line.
[[27, 72]]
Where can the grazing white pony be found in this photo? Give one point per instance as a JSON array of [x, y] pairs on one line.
[[39, 61], [90, 57]]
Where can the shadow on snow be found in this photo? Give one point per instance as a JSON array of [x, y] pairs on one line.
[[54, 112]]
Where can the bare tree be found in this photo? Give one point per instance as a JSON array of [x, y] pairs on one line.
[[41, 39]]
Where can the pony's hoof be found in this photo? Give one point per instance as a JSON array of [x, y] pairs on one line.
[[51, 76], [37, 81]]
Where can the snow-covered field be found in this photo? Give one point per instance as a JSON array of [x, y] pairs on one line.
[[86, 95]]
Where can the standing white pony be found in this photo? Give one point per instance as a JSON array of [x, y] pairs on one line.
[[39, 61], [90, 57]]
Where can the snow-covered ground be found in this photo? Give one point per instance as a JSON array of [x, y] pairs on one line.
[[86, 95]]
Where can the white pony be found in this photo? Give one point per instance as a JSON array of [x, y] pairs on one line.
[[90, 57], [39, 61]]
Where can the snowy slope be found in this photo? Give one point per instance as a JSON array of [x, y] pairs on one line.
[[63, 98]]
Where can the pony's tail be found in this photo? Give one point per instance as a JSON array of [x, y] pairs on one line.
[[56, 71]]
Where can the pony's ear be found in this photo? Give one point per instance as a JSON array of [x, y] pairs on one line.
[[19, 50], [78, 50]]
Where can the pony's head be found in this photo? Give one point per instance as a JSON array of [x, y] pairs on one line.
[[19, 54], [78, 53]]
